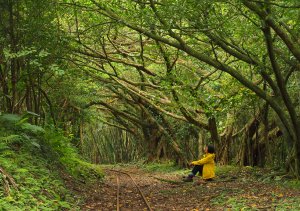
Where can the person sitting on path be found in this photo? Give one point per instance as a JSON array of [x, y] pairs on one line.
[[205, 166]]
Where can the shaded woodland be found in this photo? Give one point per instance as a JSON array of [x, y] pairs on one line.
[[158, 79]]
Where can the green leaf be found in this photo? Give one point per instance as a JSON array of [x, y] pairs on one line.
[[32, 128]]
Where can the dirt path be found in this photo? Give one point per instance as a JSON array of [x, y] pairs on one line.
[[230, 193]]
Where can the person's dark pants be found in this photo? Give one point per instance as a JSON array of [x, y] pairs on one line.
[[196, 169]]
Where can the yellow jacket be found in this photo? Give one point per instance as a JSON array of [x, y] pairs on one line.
[[208, 163]]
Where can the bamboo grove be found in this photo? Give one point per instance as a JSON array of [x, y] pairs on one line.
[[158, 79]]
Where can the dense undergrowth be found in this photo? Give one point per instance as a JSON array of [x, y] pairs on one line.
[[35, 157]]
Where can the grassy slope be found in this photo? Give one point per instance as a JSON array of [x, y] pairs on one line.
[[35, 157], [39, 184]]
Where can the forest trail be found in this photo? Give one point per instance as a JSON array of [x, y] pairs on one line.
[[165, 191]]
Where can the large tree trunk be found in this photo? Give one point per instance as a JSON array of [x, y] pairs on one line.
[[201, 143], [213, 129], [152, 138], [246, 153], [4, 83], [226, 140]]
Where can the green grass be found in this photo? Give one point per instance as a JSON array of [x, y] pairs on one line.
[[291, 184], [226, 170], [164, 167], [232, 202], [288, 204]]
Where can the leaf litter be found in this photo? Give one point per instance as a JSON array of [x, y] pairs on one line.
[[165, 191]]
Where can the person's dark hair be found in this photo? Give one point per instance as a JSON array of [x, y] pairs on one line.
[[210, 149]]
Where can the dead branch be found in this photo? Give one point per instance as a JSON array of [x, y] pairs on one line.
[[7, 181]]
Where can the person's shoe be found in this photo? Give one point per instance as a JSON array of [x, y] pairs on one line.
[[188, 179], [189, 175]]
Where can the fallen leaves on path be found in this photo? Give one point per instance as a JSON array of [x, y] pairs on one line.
[[238, 194]]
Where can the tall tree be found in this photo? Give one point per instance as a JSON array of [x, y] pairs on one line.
[[213, 32]]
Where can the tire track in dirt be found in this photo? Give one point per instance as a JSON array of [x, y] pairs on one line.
[[129, 196]]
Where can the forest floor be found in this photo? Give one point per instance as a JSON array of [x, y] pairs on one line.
[[242, 189]]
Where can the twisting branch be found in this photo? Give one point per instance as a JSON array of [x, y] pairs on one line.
[[140, 94], [279, 5], [280, 81], [294, 47], [113, 109], [183, 110], [179, 44], [95, 54]]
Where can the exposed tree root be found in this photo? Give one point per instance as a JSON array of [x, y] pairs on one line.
[[7, 181]]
